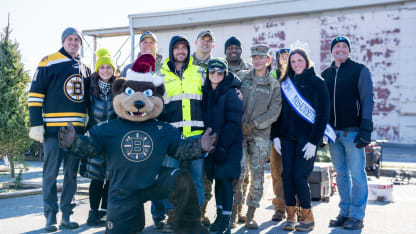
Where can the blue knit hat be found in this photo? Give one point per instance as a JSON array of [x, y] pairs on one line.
[[341, 39], [71, 31]]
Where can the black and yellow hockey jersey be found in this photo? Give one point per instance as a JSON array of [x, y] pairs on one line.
[[59, 93]]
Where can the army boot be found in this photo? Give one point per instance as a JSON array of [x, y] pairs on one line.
[[250, 223]]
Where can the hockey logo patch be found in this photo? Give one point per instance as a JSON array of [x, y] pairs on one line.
[[74, 88], [136, 146]]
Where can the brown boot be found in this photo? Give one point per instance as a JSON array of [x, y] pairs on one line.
[[204, 219], [168, 227], [241, 217], [307, 221], [279, 215], [291, 218], [250, 223]]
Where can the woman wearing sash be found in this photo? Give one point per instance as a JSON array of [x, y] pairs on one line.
[[304, 96]]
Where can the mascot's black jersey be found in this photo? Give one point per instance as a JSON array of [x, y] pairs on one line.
[[58, 93], [135, 150]]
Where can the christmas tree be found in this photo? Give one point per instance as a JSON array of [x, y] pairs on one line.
[[14, 117]]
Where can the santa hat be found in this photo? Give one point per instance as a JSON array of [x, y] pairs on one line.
[[142, 70]]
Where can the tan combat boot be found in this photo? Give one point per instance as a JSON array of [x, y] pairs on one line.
[[250, 223], [291, 218], [233, 216], [241, 217], [307, 221]]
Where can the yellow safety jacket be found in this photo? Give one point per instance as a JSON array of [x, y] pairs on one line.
[[183, 101]]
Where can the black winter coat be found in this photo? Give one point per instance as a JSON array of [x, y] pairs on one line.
[[290, 124], [100, 110], [223, 111]]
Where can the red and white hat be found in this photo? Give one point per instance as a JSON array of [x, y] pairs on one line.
[[143, 70]]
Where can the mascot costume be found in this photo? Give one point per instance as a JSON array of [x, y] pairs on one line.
[[134, 146]]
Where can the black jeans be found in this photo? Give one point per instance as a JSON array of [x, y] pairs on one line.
[[296, 170], [224, 193]]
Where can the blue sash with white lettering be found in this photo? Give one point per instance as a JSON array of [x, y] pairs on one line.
[[302, 106]]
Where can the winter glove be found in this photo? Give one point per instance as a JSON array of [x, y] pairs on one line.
[[66, 136], [36, 133], [363, 137], [276, 145], [310, 151], [208, 140], [247, 128], [220, 154]]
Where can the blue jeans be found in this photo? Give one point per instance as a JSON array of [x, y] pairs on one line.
[[349, 161]]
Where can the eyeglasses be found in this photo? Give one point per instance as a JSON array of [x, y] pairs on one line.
[[212, 71]]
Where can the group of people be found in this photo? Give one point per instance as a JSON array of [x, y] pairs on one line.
[[259, 115]]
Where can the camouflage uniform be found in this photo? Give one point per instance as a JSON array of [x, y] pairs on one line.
[[262, 104], [243, 66]]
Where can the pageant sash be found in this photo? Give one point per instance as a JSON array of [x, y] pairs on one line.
[[302, 106]]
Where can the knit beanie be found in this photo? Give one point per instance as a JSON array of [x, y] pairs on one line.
[[232, 41], [341, 39], [70, 31], [103, 57]]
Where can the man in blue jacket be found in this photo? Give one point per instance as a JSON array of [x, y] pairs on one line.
[[351, 93]]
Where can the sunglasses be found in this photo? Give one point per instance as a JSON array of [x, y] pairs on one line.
[[212, 71], [284, 50]]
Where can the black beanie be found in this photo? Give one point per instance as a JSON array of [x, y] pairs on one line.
[[232, 41], [341, 39]]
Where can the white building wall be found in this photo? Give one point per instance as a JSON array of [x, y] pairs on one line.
[[383, 38]]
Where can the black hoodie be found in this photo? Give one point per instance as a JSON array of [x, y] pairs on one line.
[[171, 63]]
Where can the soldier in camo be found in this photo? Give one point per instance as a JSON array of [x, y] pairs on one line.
[[204, 42], [262, 104]]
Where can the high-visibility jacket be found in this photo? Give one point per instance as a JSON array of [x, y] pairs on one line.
[[183, 101]]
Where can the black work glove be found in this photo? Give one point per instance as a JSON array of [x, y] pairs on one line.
[[66, 136], [363, 137]]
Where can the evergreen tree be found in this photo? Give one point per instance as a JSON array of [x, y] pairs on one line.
[[14, 114]]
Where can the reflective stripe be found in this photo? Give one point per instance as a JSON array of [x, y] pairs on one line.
[[39, 95], [35, 99], [188, 123], [64, 124], [35, 104], [64, 114], [183, 96], [75, 119]]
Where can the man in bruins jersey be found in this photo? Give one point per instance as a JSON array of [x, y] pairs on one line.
[[58, 96]]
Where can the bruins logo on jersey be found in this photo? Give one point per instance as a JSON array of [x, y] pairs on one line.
[[74, 88], [136, 146]]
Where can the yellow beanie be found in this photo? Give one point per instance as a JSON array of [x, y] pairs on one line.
[[103, 57]]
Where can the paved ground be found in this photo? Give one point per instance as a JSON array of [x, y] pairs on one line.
[[25, 214]]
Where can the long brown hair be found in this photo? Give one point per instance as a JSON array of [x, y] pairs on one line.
[[289, 71]]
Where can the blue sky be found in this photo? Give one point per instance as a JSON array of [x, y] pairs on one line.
[[37, 25]]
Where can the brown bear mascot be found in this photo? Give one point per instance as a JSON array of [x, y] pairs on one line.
[[134, 146]]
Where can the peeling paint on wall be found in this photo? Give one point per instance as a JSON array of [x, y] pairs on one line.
[[376, 45], [272, 33]]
